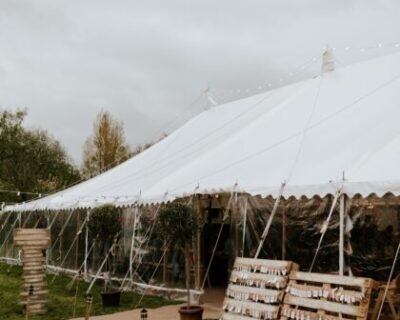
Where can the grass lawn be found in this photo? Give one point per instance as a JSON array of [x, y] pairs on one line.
[[61, 299]]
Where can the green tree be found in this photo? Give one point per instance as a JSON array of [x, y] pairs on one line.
[[178, 223], [30, 160], [106, 148]]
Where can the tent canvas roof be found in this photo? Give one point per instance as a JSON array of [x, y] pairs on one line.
[[307, 134]]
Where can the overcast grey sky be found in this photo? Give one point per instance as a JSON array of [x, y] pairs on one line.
[[146, 61]]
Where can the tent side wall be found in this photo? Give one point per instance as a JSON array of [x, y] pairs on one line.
[[372, 231]]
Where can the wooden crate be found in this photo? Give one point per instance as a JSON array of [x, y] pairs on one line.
[[315, 296], [256, 289]]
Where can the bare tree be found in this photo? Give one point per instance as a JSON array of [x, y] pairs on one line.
[[106, 148]]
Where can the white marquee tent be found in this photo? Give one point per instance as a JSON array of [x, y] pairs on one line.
[[341, 128]]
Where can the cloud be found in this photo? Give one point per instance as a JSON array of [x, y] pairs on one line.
[[146, 61]]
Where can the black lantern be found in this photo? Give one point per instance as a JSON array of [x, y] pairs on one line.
[[89, 299], [143, 314]]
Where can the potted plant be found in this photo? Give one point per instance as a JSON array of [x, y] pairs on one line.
[[178, 223], [104, 224]]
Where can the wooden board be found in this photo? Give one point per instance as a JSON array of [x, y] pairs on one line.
[[256, 289], [316, 296], [32, 237]]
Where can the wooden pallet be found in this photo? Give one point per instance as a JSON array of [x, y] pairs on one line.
[[316, 296], [392, 298], [256, 289]]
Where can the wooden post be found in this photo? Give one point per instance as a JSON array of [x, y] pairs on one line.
[[78, 226], [135, 222], [199, 247], [234, 216], [85, 262], [341, 234], [244, 224], [197, 262], [165, 265], [49, 228], [283, 234]]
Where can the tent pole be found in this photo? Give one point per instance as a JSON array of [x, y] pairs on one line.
[[199, 238], [47, 224], [341, 234], [85, 266], [78, 225], [165, 265], [234, 219], [198, 260], [244, 224], [75, 241], [135, 217], [269, 223], [4, 244], [103, 263], [283, 235]]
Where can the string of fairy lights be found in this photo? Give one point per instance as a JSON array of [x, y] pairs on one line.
[[296, 73], [19, 194]]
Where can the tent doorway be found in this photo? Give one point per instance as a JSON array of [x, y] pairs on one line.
[[220, 264]]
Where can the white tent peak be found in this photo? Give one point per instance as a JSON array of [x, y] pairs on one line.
[[328, 60], [210, 101]]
